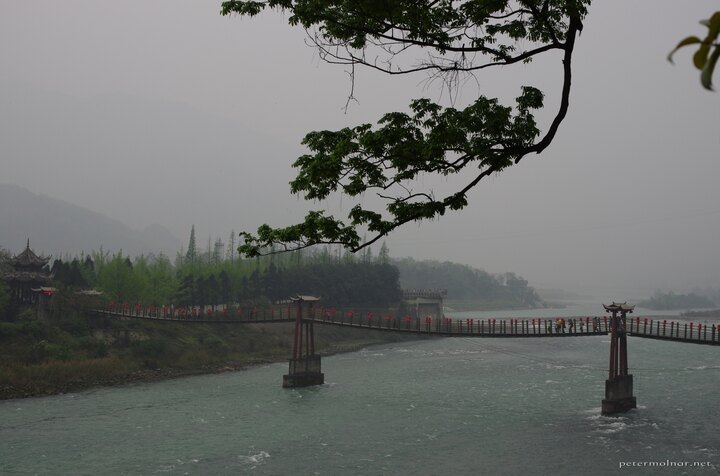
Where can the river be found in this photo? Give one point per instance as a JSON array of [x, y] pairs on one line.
[[450, 406]]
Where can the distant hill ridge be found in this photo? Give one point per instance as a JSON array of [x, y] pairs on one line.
[[464, 283], [59, 228]]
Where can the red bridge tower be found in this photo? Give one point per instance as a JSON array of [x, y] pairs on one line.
[[619, 385]]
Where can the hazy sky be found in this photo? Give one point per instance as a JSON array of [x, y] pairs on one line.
[[166, 112]]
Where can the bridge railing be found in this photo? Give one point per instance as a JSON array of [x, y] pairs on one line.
[[371, 318], [388, 320], [210, 313], [465, 326], [672, 330], [641, 327]]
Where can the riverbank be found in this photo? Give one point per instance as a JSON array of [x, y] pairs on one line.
[[467, 305], [41, 357], [99, 379]]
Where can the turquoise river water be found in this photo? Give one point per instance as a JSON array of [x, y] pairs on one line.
[[450, 406]]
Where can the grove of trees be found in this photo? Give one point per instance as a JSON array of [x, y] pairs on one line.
[[468, 284], [671, 301], [213, 277], [339, 278]]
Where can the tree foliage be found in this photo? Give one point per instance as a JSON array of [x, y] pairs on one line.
[[706, 57], [4, 268], [73, 273], [4, 299], [672, 301], [209, 280], [192, 252], [467, 284], [447, 40]]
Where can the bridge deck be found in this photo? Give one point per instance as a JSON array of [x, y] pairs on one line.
[[445, 327]]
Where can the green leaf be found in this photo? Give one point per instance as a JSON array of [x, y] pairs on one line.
[[714, 20], [713, 28], [249, 8], [707, 72], [701, 55], [690, 40]]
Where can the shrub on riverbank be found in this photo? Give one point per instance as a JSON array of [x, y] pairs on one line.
[[58, 376], [40, 356]]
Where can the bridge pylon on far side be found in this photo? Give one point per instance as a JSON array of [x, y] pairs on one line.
[[421, 303], [619, 385], [305, 369]]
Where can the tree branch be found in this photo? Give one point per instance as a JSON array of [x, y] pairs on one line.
[[431, 139]]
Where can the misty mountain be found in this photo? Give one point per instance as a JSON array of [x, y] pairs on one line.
[[135, 159], [58, 228]]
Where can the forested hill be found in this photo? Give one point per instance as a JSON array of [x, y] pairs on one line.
[[671, 301], [464, 283]]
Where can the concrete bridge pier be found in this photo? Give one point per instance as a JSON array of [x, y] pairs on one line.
[[304, 372], [619, 396], [305, 369]]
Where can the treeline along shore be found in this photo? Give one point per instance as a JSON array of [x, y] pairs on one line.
[[62, 346]]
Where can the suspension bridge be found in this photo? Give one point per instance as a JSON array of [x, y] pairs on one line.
[[304, 312]]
